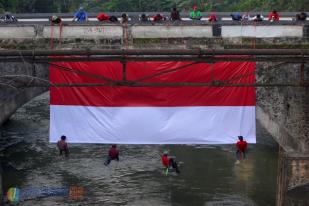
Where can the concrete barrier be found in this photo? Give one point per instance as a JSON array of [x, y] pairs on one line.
[[165, 31], [262, 31], [109, 31], [15, 32], [96, 31]]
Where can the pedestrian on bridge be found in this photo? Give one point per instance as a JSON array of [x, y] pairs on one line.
[[302, 16], [159, 17], [103, 17], [8, 17], [273, 16], [55, 19], [81, 15], [175, 16], [195, 14]]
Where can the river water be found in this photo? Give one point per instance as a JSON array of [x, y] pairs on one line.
[[209, 175]]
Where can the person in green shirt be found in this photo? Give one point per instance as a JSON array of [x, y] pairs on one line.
[[195, 14]]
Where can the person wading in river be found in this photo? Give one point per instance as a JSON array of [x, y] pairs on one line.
[[113, 154], [241, 149], [63, 146], [169, 163]]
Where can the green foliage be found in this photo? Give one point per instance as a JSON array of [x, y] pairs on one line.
[[41, 6]]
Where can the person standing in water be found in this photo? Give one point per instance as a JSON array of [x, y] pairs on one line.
[[63, 146], [113, 154], [241, 148], [169, 162]]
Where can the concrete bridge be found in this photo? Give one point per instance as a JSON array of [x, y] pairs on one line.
[[282, 89]]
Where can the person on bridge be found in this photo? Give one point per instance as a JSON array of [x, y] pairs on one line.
[[103, 17], [124, 18], [63, 146], [302, 16], [241, 148], [212, 17], [81, 15], [8, 17], [169, 163], [273, 16], [175, 16], [113, 154], [55, 19], [236, 16], [195, 14], [246, 17], [158, 18], [258, 17], [143, 18]]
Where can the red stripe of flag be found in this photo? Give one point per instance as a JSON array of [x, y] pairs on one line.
[[114, 96]]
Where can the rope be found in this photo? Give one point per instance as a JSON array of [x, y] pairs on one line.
[[254, 40], [52, 36], [126, 36], [60, 34]]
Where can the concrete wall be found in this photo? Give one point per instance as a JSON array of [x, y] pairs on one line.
[[284, 111], [113, 31], [164, 31], [293, 179], [179, 35], [100, 31], [262, 31], [25, 32]]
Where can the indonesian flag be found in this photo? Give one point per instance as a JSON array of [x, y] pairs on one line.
[[152, 114]]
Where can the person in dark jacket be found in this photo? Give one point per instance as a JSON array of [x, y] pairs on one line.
[[143, 18], [302, 16], [63, 146], [113, 154], [55, 19], [175, 14]]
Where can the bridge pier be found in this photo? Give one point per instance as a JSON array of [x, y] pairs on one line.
[[12, 98], [284, 113], [293, 174]]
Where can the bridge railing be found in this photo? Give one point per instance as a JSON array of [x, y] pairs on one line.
[[134, 16]]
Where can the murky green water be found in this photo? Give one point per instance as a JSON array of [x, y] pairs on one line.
[[209, 175]]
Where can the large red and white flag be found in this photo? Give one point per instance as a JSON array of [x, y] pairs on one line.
[[152, 115]]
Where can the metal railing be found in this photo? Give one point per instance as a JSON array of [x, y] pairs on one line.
[[134, 16]]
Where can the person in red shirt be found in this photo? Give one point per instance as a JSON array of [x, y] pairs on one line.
[[273, 16], [113, 154], [212, 17], [103, 17], [158, 18], [169, 162], [241, 147]]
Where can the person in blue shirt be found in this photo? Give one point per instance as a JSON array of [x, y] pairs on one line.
[[236, 16], [80, 15]]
